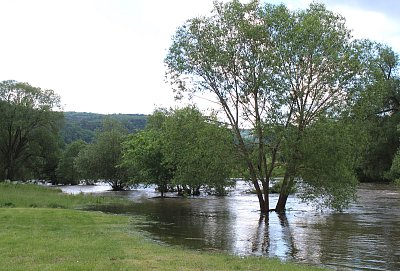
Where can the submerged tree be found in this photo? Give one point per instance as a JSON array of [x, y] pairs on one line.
[[227, 54], [144, 159], [29, 130], [67, 171], [316, 69], [180, 148], [269, 68], [200, 148], [100, 160]]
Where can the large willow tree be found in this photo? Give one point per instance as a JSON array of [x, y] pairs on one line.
[[270, 68]]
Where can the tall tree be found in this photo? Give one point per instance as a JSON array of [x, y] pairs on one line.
[[316, 66], [227, 54], [275, 70], [28, 125]]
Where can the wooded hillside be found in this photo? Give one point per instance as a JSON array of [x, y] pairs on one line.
[[82, 125]]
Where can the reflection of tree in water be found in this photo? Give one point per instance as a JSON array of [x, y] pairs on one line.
[[287, 235], [367, 236], [267, 242], [260, 241]]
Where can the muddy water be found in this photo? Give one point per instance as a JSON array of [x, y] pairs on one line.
[[364, 237]]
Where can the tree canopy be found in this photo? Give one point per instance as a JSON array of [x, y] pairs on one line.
[[29, 131], [67, 171], [377, 110], [181, 148], [270, 68], [100, 160]]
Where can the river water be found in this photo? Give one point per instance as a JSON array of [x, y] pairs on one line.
[[364, 237]]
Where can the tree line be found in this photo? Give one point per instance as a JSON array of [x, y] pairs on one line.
[[322, 108]]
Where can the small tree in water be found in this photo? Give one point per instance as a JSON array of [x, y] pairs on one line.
[[180, 148], [101, 159]]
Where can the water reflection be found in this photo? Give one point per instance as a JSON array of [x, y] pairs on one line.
[[365, 237], [260, 239]]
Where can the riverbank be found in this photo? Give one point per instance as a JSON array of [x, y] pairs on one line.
[[43, 230]]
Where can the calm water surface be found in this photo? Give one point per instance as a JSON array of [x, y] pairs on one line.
[[364, 237]]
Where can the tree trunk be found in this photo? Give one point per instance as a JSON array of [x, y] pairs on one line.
[[9, 171], [287, 185], [180, 190], [264, 206], [263, 198], [281, 204]]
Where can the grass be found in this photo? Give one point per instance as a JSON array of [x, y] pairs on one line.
[[36, 196], [46, 238]]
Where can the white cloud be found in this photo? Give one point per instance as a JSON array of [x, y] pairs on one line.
[[107, 55], [373, 25]]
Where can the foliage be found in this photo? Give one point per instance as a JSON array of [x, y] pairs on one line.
[[181, 148], [268, 68], [394, 173], [29, 131], [80, 125], [100, 159], [143, 156], [381, 148], [201, 150], [329, 155], [377, 108], [67, 172], [276, 187]]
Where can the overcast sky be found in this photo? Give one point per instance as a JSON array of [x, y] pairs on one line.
[[106, 56]]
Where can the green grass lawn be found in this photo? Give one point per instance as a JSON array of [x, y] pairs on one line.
[[44, 238]]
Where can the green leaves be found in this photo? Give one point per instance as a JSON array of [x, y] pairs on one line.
[[67, 171], [101, 159], [201, 149], [328, 157], [394, 172], [271, 69], [28, 131], [180, 148]]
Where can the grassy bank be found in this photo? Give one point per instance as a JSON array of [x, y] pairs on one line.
[[36, 196], [46, 238]]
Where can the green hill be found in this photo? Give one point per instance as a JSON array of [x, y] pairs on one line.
[[82, 125]]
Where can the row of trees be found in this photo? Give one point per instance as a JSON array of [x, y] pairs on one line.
[[179, 149]]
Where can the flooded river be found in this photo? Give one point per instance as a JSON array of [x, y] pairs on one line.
[[363, 237]]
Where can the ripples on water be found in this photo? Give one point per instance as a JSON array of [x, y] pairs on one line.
[[364, 237]]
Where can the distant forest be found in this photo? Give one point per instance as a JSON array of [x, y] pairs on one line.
[[82, 125]]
